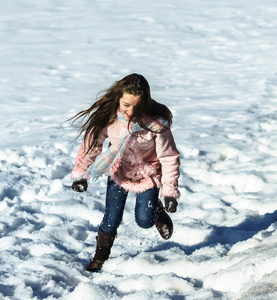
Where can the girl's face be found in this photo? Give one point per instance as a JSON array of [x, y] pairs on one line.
[[126, 105]]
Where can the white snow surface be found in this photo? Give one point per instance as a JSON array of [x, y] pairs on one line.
[[214, 64]]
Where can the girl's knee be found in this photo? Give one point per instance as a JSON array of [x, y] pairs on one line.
[[145, 223]]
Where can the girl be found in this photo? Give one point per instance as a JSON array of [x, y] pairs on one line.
[[141, 158]]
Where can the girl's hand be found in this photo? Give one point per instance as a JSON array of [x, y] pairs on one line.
[[80, 185], [170, 204]]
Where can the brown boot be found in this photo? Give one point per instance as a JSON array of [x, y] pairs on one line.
[[164, 223], [103, 250]]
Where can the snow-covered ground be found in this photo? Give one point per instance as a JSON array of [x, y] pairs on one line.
[[214, 63]]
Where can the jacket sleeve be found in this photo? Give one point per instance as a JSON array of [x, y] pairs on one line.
[[168, 156], [85, 160]]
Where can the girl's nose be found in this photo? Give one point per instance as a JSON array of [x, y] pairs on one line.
[[131, 111]]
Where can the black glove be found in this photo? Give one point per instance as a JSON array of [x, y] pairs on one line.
[[170, 204], [80, 185]]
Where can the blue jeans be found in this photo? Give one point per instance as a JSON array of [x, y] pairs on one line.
[[146, 208]]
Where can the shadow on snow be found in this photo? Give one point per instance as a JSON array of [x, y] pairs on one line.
[[224, 235]]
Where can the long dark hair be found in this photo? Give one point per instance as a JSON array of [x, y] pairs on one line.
[[104, 111]]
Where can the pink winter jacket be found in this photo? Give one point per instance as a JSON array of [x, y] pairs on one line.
[[150, 160]]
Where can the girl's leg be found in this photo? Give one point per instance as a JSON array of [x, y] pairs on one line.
[[146, 209], [115, 203]]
